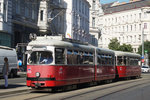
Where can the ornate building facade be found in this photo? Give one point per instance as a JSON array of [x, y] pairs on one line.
[[95, 16], [127, 22]]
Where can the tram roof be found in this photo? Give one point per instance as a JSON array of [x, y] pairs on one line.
[[58, 42], [102, 50], [121, 53]]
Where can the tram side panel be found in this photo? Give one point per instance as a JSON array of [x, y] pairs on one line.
[[121, 71], [81, 66], [105, 65], [127, 64]]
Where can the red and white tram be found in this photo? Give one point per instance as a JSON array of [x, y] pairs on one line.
[[127, 64], [56, 63]]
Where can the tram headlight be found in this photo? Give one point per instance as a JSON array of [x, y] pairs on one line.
[[37, 74]]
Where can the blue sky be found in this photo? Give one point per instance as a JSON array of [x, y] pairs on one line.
[[109, 1]]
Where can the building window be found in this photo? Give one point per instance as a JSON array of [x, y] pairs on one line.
[[93, 22], [131, 27], [33, 12], [0, 8], [59, 1], [41, 15], [145, 15], [18, 6], [123, 28], [93, 5], [145, 25], [5, 12], [140, 15], [140, 26], [26, 10], [139, 37], [135, 38], [80, 6], [76, 1]]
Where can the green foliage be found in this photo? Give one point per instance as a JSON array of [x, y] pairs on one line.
[[114, 44], [146, 47], [126, 48]]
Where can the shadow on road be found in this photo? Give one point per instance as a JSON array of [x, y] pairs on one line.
[[11, 86]]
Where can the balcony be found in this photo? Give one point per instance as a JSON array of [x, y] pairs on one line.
[[56, 4]]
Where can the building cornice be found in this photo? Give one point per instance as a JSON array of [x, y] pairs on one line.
[[127, 6]]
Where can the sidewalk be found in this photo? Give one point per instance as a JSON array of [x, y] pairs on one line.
[[14, 88], [21, 73], [20, 87]]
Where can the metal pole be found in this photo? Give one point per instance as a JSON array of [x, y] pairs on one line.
[[143, 44]]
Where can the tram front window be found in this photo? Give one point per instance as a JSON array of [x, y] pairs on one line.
[[40, 57]]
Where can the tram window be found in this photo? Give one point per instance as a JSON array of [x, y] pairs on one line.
[[74, 58], [80, 58], [134, 61], [120, 60], [69, 52], [115, 61], [103, 59], [109, 60], [69, 57], [59, 56], [91, 59], [125, 60], [40, 57], [90, 54], [99, 59], [131, 61], [87, 58], [76, 52]]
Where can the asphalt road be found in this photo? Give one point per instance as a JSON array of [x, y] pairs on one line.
[[135, 89]]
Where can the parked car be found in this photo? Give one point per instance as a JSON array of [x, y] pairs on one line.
[[145, 69]]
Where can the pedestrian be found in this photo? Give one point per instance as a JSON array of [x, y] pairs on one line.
[[19, 64], [5, 71]]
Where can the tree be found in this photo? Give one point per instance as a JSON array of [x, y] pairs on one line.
[[146, 47], [114, 44], [126, 48]]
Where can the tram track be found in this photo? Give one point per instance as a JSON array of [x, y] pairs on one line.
[[101, 90], [117, 91], [75, 93]]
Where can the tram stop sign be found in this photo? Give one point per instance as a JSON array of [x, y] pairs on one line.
[[142, 57]]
